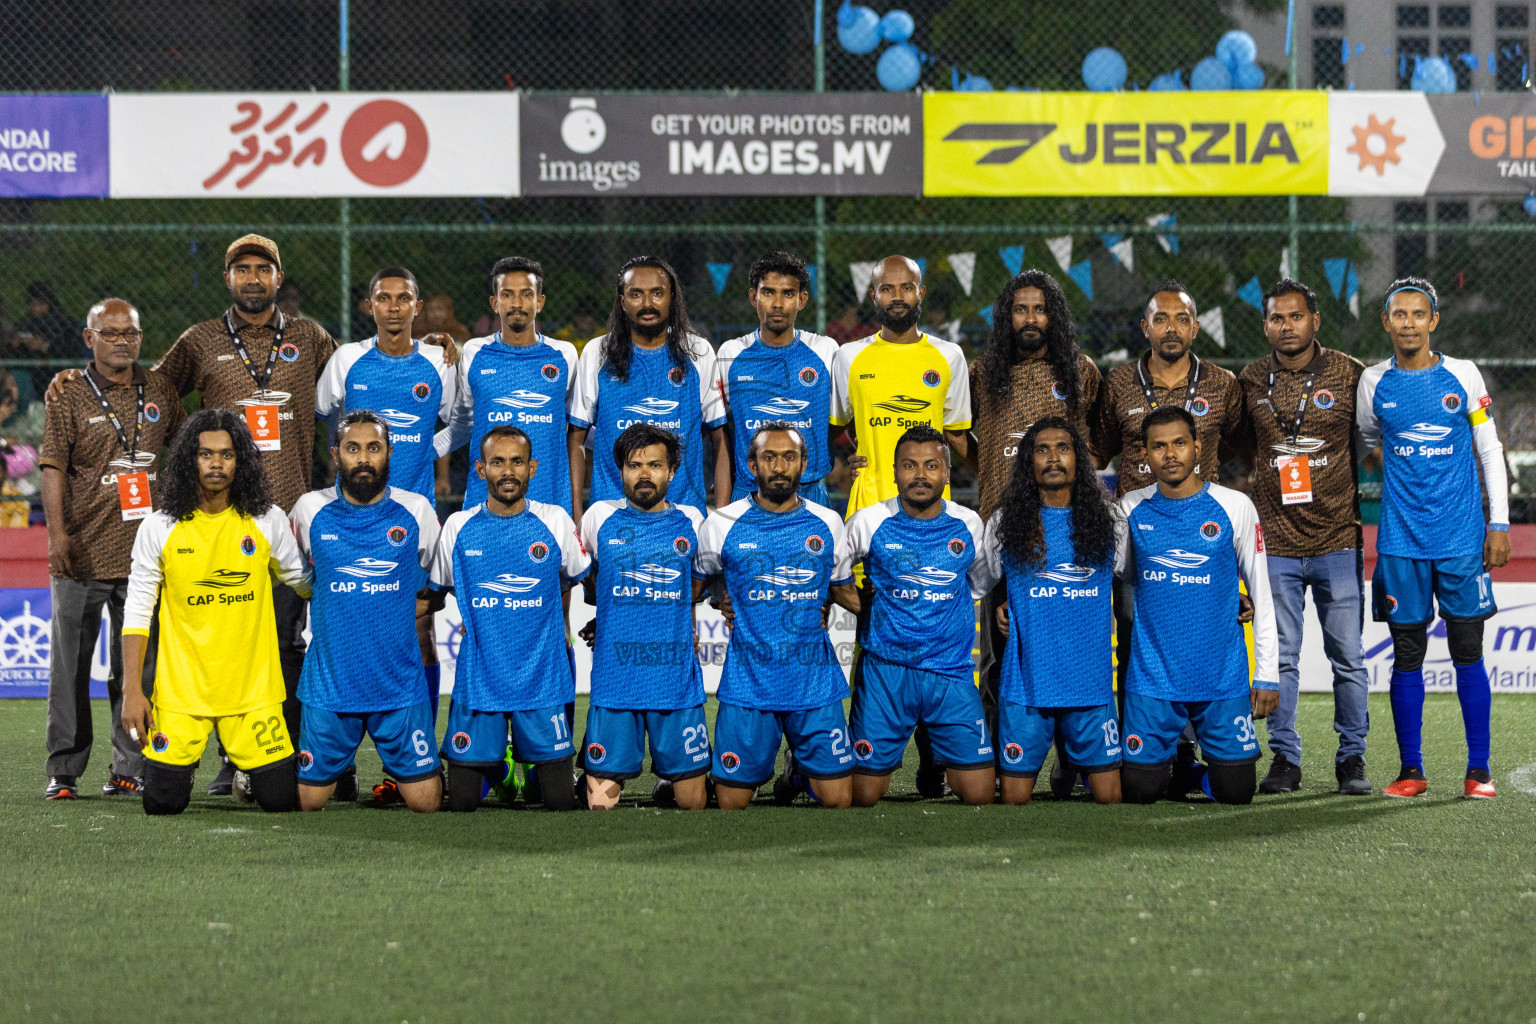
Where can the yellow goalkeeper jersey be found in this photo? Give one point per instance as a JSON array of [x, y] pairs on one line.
[[218, 641]]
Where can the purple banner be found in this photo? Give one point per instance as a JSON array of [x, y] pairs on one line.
[[25, 642], [53, 146]]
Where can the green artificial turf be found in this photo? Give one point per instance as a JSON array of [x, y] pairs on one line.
[[1309, 907]]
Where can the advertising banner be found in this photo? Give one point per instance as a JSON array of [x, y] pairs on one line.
[[25, 631], [53, 146]]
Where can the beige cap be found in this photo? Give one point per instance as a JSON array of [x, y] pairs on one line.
[[252, 245]]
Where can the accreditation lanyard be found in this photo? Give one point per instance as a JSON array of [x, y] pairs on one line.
[[1294, 467], [1301, 405], [263, 378], [1189, 394], [261, 414], [133, 485]]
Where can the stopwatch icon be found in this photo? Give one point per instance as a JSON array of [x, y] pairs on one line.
[[583, 130]]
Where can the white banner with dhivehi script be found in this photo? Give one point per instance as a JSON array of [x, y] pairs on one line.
[[267, 144]]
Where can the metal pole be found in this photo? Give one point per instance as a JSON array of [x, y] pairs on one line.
[[1292, 204], [344, 218], [821, 201]]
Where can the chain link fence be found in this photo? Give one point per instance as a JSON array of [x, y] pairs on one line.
[[59, 256]]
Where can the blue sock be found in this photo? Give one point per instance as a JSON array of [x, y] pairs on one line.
[[1408, 716], [434, 688], [1476, 699]]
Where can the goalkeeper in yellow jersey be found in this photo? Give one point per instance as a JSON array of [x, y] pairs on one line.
[[205, 557]]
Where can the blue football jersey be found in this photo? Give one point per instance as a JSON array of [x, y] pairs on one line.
[[1060, 620], [683, 400], [370, 561], [525, 386], [1184, 557], [1427, 422], [643, 658], [411, 392], [779, 568], [507, 574], [925, 577], [762, 383]]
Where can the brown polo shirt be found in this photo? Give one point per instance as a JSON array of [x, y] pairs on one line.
[[1000, 423], [204, 359], [1217, 406], [1331, 520], [80, 441]]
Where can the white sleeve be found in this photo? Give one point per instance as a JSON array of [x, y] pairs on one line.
[[591, 524], [331, 388], [723, 360], [842, 403], [461, 418], [146, 574], [572, 370], [1485, 440], [842, 552], [584, 400], [711, 399], [427, 528], [449, 377], [708, 562], [1125, 548], [1253, 566], [980, 574], [290, 567], [299, 521], [574, 560], [957, 402], [990, 551], [860, 531], [442, 558], [1366, 420]]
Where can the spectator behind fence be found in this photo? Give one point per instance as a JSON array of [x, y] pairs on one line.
[[289, 298], [45, 331], [438, 317], [584, 325], [849, 325], [101, 452], [18, 460]]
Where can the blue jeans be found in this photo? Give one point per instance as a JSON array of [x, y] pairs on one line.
[[1339, 597]]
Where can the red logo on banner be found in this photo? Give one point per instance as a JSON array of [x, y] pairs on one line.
[[384, 143], [280, 132]]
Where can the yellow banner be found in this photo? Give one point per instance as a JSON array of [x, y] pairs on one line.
[[1271, 142]]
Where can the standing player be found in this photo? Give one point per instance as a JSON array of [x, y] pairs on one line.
[[783, 560], [649, 368], [922, 558], [509, 561], [779, 373], [354, 535], [1430, 414], [520, 377], [645, 671], [1053, 540], [1189, 543], [208, 556]]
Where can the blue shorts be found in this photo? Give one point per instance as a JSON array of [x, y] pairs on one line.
[[747, 743], [479, 738], [815, 490], [892, 699], [1401, 589], [328, 741], [1025, 734], [614, 747], [1224, 728]]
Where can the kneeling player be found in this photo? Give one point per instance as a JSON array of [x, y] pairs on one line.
[[205, 556], [922, 559], [1053, 540], [509, 561], [365, 603], [1189, 542], [783, 560], [645, 673]]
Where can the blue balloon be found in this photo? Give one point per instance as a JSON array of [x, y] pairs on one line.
[[1210, 75], [897, 26], [1103, 70], [1433, 74], [1530, 206], [899, 68], [1247, 76], [861, 32], [975, 83], [1237, 47], [1171, 82]]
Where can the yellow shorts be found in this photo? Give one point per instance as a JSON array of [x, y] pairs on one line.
[[252, 740]]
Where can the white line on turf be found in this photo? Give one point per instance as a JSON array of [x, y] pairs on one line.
[[1524, 779]]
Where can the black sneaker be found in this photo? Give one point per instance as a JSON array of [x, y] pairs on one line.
[[663, 794], [932, 782], [346, 786], [223, 784], [786, 787], [1187, 771], [1063, 778], [61, 787], [1284, 776], [1351, 776], [125, 785]]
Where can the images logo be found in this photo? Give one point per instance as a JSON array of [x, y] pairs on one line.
[[583, 130]]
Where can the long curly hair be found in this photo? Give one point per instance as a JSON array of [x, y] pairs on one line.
[[1004, 351], [249, 492], [1093, 512], [619, 346]]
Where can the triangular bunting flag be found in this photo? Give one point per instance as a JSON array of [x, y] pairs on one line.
[[810, 271], [964, 266], [952, 330], [1082, 273], [720, 273], [1120, 249], [1252, 293], [1334, 270], [862, 274], [1285, 261], [985, 312], [1061, 248], [1352, 289], [1012, 257], [1169, 242], [1213, 326]]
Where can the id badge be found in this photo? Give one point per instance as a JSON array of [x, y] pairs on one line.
[[1295, 479], [133, 495], [265, 428]]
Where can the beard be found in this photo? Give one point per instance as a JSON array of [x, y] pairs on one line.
[[902, 321], [779, 489], [1027, 342], [648, 331], [363, 489], [646, 499], [255, 303]]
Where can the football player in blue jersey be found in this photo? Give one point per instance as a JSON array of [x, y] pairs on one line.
[[1429, 413], [371, 546], [1053, 541], [924, 571], [1188, 544], [509, 563], [645, 671], [779, 372], [783, 561]]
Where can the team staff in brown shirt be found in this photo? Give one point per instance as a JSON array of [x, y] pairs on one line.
[[101, 446], [1299, 428]]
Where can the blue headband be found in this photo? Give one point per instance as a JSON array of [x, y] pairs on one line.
[[1433, 306]]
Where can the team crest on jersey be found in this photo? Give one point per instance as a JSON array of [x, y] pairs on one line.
[[1323, 399], [809, 376], [1210, 529], [538, 551], [1058, 392], [956, 547], [305, 760], [159, 742], [1391, 603], [1199, 407], [152, 412], [461, 741], [863, 749], [1133, 744], [550, 371], [729, 761], [676, 376], [395, 535], [1013, 753], [595, 753], [682, 545], [1451, 403], [422, 391], [289, 351], [814, 544], [247, 545], [932, 378]]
